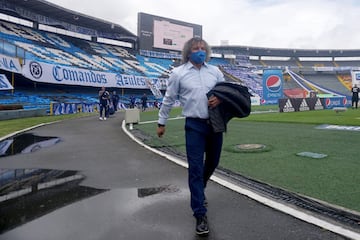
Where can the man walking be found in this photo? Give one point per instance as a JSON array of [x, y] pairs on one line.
[[190, 82]]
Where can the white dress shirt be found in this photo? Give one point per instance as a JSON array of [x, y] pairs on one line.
[[190, 85]]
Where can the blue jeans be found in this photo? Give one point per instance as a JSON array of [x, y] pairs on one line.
[[200, 141]]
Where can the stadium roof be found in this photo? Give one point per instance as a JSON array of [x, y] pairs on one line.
[[24, 9], [283, 52]]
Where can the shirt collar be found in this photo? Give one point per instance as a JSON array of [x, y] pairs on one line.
[[189, 65]]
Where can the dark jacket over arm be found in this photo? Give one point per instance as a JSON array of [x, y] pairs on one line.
[[235, 102]]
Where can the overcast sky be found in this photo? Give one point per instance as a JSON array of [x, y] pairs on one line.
[[308, 24]]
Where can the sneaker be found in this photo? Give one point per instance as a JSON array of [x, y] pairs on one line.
[[202, 227], [100, 118], [104, 118]]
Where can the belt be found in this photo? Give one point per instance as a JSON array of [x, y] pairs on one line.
[[203, 120]]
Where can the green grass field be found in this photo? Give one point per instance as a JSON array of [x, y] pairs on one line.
[[13, 125], [334, 179]]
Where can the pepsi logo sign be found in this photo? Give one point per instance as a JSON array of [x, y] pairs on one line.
[[273, 83], [344, 101], [327, 102]]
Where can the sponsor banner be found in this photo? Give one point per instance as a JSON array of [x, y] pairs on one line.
[[332, 69], [59, 74], [288, 105], [70, 108], [142, 82], [269, 101], [255, 101], [4, 83], [295, 93], [324, 69], [299, 104], [65, 108], [10, 64], [272, 85], [355, 76], [130, 81], [314, 103], [304, 104], [332, 102]]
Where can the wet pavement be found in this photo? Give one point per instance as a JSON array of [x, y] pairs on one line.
[[25, 143], [96, 183]]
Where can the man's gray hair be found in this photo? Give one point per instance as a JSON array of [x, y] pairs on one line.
[[187, 49]]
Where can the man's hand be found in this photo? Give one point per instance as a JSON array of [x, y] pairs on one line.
[[213, 101], [160, 131]]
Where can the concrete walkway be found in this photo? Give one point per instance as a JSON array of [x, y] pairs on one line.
[[146, 195]]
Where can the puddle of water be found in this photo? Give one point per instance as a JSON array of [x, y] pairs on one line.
[[311, 155], [145, 192], [26, 194], [25, 143]]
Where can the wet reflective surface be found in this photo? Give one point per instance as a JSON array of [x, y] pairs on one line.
[[26, 194], [25, 143], [145, 192]]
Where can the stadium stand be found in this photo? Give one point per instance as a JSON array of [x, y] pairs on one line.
[[347, 63], [328, 81], [245, 66], [346, 80], [245, 76]]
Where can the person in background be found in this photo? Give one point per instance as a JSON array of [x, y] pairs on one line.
[[190, 83], [132, 101], [355, 96], [115, 100], [104, 98], [144, 102]]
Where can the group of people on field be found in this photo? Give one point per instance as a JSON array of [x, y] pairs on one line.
[[143, 99], [108, 103]]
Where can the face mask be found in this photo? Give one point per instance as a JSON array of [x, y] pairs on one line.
[[198, 57]]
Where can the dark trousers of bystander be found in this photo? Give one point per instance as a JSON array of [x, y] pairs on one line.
[[104, 109], [354, 102]]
